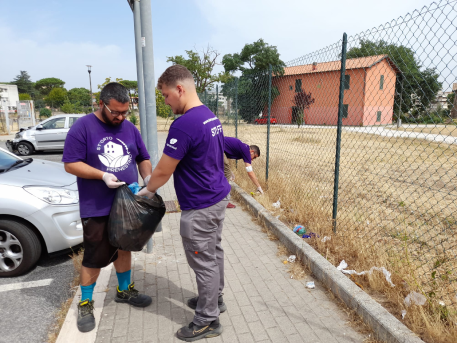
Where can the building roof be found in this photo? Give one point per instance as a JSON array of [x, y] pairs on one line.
[[352, 63]]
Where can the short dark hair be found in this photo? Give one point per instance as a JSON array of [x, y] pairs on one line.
[[255, 148], [116, 91], [172, 75]]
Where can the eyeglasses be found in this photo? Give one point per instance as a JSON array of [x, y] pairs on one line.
[[117, 114]]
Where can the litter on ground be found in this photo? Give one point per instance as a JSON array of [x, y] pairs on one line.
[[277, 204], [343, 265], [310, 285], [292, 258], [415, 298]]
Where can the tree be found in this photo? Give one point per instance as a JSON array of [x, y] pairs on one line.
[[302, 101], [45, 112], [23, 83], [413, 79], [56, 97], [201, 65], [80, 96], [24, 96], [67, 107], [132, 87], [253, 61], [44, 86], [161, 109]]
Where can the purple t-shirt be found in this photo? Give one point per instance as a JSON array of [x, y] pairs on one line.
[[197, 140], [112, 149], [236, 150]]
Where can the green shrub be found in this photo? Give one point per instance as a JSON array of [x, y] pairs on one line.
[[45, 112]]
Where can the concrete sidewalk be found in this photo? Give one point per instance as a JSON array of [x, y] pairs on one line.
[[264, 304]]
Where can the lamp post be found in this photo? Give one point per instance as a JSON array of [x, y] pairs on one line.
[[90, 82]]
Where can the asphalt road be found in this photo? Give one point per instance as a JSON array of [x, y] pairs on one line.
[[28, 303]]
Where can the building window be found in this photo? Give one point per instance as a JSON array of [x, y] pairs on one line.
[[345, 111], [291, 88], [378, 116], [381, 82], [347, 81], [297, 85]]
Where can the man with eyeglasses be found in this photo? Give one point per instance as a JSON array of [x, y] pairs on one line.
[[101, 149], [234, 149]]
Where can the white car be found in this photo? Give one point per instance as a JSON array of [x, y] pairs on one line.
[[39, 211], [50, 134]]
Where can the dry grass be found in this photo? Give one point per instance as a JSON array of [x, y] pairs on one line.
[[445, 130], [397, 202], [62, 312]]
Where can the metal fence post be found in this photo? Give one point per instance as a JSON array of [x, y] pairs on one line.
[[338, 132], [236, 107], [217, 100], [268, 122]]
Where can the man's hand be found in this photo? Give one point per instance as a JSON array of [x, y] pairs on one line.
[[146, 193], [260, 190], [112, 181]]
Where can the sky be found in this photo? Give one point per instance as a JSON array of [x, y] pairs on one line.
[[59, 38]]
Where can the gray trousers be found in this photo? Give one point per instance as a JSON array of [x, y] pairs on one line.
[[201, 232]]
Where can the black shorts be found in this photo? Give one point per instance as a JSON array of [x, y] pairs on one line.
[[98, 252]]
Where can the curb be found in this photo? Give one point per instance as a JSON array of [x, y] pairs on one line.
[[385, 326], [69, 331]]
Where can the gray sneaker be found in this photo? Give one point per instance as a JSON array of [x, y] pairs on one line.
[[86, 319], [192, 303]]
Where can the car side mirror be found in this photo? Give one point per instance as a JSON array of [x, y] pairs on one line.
[[40, 127]]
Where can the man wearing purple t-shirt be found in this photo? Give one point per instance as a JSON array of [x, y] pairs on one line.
[[235, 149], [101, 149], [194, 154]]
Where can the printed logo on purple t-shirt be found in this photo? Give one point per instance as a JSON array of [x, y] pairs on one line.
[[172, 141], [114, 154]]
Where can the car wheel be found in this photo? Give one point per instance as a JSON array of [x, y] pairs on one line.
[[24, 149], [20, 248]]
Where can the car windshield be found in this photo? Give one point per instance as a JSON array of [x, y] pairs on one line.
[[7, 161]]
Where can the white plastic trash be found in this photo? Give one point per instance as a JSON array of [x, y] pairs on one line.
[[291, 258], [415, 298], [310, 285]]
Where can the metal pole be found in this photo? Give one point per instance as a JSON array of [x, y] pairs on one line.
[[217, 101], [236, 107], [149, 89], [270, 71], [139, 70], [338, 132], [90, 84], [7, 118]]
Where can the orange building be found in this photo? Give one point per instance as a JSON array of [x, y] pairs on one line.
[[368, 96]]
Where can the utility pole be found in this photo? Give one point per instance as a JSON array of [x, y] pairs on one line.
[[139, 70], [147, 54], [90, 82]]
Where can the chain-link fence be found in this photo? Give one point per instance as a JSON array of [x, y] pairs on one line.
[[360, 138]]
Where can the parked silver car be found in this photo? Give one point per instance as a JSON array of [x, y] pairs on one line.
[[39, 211], [48, 135]]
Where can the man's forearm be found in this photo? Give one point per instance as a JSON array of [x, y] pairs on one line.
[[83, 170], [158, 179], [254, 179], [145, 168]]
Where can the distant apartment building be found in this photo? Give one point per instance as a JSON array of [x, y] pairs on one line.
[[222, 100], [441, 101], [9, 96], [369, 91]]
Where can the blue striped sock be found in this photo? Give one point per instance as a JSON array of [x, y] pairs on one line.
[[124, 280], [87, 292]]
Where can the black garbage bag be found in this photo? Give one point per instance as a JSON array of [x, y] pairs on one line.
[[133, 219]]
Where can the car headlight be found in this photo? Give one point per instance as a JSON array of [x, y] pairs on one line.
[[54, 196]]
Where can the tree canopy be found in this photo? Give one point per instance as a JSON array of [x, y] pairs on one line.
[[414, 82], [24, 96], [201, 65], [56, 97], [23, 83], [80, 96], [44, 86], [252, 87]]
